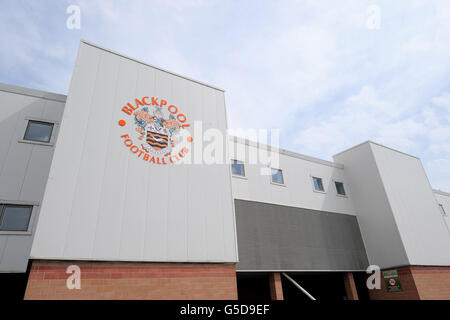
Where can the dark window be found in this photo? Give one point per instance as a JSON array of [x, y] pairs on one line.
[[237, 168], [14, 217], [340, 188], [277, 176], [38, 131], [318, 185], [441, 207]]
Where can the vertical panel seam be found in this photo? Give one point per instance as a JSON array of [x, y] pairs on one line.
[[126, 181], [388, 202], [81, 158], [31, 154], [224, 214], [13, 137], [186, 193], [147, 212], [104, 170]]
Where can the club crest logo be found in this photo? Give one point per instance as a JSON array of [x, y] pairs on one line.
[[160, 132]]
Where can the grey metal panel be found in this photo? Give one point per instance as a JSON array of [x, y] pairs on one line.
[[413, 206], [24, 167], [3, 241], [384, 245], [274, 237], [16, 253]]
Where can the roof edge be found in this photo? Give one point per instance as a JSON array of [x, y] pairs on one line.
[[149, 65], [33, 92], [442, 193], [286, 152], [377, 144]]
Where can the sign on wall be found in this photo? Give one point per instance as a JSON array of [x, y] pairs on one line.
[[159, 130], [392, 281]]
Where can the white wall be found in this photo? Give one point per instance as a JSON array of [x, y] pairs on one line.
[[298, 190], [104, 203], [422, 229], [397, 210], [444, 199], [378, 226], [24, 166]]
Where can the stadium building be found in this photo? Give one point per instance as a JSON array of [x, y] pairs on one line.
[[98, 201]]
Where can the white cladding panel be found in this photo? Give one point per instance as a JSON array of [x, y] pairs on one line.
[[444, 200], [102, 202], [378, 227], [422, 229], [298, 190], [24, 166]]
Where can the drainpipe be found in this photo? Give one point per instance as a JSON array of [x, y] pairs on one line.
[[298, 286]]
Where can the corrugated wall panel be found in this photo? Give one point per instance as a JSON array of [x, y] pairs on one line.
[[280, 238]]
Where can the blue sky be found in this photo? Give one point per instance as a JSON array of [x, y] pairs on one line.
[[313, 69]]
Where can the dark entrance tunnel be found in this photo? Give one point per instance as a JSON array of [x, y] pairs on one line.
[[324, 286]]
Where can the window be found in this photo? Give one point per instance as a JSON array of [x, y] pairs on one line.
[[339, 188], [237, 168], [277, 176], [14, 217], [318, 185], [442, 210], [38, 131]]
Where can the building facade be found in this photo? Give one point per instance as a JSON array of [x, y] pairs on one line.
[[102, 185]]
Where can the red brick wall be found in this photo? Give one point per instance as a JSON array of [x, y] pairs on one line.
[[119, 280], [408, 285], [418, 282], [433, 283]]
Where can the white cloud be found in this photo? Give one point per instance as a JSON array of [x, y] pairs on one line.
[[311, 68], [362, 116], [439, 171], [443, 101]]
